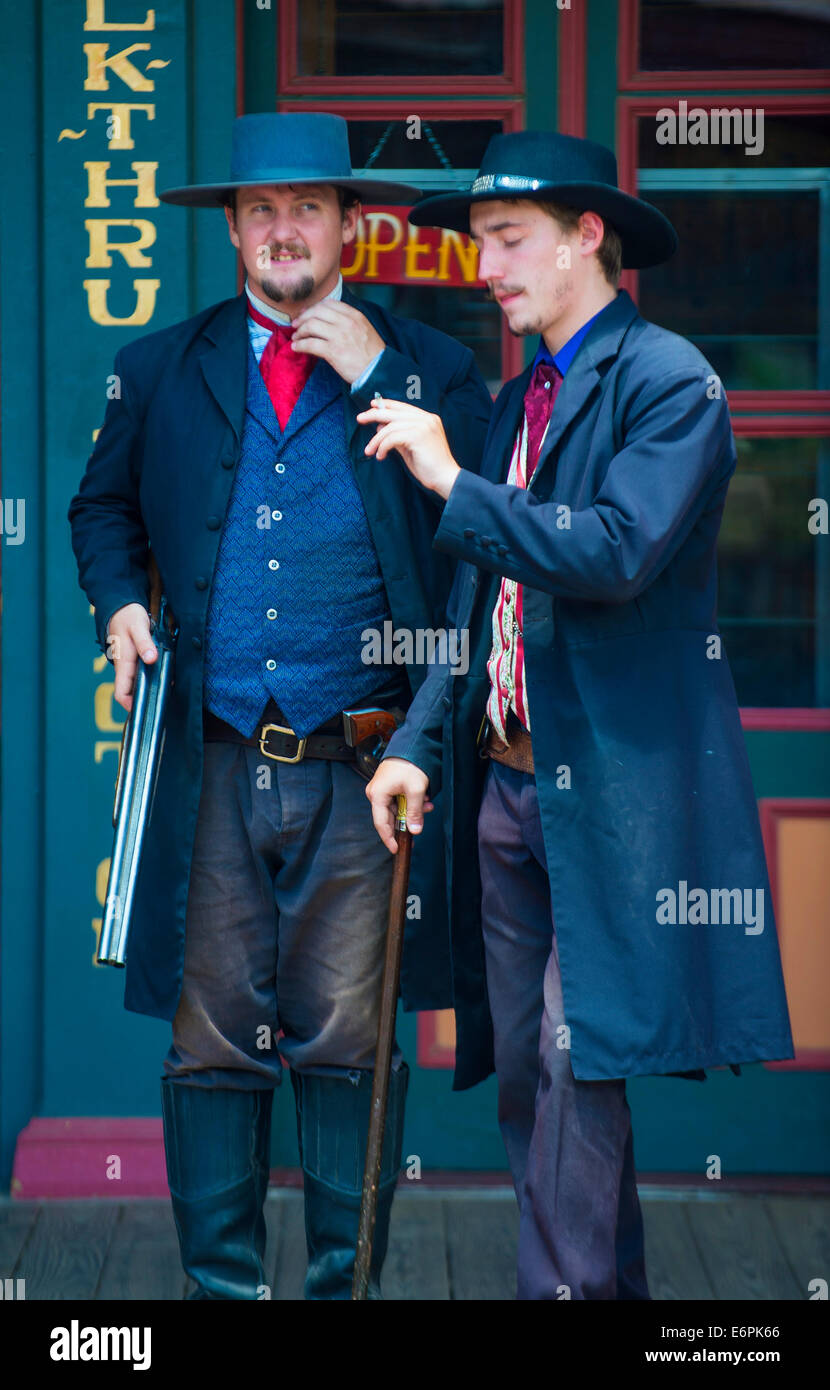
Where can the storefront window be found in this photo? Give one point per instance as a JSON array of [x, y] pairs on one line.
[[697, 34], [398, 38]]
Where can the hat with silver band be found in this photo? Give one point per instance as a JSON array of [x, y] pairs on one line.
[[560, 169], [290, 147]]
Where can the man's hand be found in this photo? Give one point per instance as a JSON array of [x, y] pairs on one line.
[[418, 437], [338, 333], [396, 775], [128, 636]]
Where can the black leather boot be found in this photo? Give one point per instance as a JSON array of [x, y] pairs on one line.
[[217, 1145], [332, 1126]]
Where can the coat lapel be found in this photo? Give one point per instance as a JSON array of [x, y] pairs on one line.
[[496, 462], [583, 376], [224, 362]]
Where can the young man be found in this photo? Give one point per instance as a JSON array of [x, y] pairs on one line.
[[624, 899], [262, 900]]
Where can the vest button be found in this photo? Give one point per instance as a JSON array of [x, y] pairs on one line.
[[200, 582], [271, 664], [279, 467], [273, 564], [277, 515], [228, 461], [271, 613], [213, 523], [197, 642]]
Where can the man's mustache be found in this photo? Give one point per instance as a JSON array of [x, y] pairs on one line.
[[504, 290]]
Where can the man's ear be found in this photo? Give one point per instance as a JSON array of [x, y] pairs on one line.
[[231, 221], [351, 217]]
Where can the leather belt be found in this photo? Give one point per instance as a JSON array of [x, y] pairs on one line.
[[276, 739], [517, 752]]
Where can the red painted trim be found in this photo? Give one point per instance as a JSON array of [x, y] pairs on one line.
[[289, 81], [631, 77], [778, 426], [69, 1157], [785, 720], [780, 400], [510, 113], [571, 40], [771, 809]]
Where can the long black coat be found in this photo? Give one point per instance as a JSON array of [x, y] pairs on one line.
[[641, 766], [161, 473]]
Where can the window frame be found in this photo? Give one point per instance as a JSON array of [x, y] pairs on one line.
[[509, 81], [631, 78]]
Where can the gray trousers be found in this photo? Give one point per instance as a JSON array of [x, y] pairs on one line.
[[286, 922], [569, 1142]]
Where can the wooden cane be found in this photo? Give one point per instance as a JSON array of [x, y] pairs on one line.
[[383, 1054]]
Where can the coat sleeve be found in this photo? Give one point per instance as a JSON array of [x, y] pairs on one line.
[[419, 740], [677, 451], [462, 401], [108, 534]]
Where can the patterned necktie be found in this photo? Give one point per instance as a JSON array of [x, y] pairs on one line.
[[284, 371], [539, 399]]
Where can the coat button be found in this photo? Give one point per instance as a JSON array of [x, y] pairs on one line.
[[469, 533], [486, 541], [200, 582], [228, 461], [213, 523], [501, 549], [197, 642], [447, 702]]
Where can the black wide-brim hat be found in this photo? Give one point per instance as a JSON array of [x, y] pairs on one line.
[[562, 169], [290, 147]]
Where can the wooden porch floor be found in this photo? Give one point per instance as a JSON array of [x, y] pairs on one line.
[[444, 1244]]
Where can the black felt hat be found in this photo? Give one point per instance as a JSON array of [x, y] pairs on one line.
[[563, 169]]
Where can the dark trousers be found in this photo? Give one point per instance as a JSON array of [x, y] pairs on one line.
[[569, 1142], [286, 924]]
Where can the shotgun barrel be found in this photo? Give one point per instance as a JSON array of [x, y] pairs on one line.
[[141, 751]]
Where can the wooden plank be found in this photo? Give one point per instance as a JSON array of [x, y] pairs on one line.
[[802, 1225], [292, 1255], [740, 1250], [143, 1260], [17, 1221], [65, 1254], [416, 1262], [674, 1268], [482, 1240]]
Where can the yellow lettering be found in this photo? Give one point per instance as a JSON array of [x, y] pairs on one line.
[[144, 182], [95, 18], [145, 293], [103, 709], [98, 62], [100, 245], [374, 246], [467, 257], [102, 873], [414, 249], [103, 745], [119, 136]]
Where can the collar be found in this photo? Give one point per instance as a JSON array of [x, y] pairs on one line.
[[275, 314], [566, 354]]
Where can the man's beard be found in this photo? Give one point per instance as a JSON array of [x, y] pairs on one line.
[[280, 292]]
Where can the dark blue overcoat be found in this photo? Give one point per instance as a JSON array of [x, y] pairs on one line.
[[161, 473], [643, 778]]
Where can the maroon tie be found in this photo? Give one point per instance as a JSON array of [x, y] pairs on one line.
[[539, 399], [284, 371]]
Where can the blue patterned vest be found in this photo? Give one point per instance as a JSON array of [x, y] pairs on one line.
[[297, 578]]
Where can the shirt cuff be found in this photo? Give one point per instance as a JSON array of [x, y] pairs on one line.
[[367, 372]]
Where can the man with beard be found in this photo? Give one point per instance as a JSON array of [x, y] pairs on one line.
[[233, 451], [613, 800]]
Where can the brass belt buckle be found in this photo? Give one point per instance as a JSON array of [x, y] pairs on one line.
[[280, 729]]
